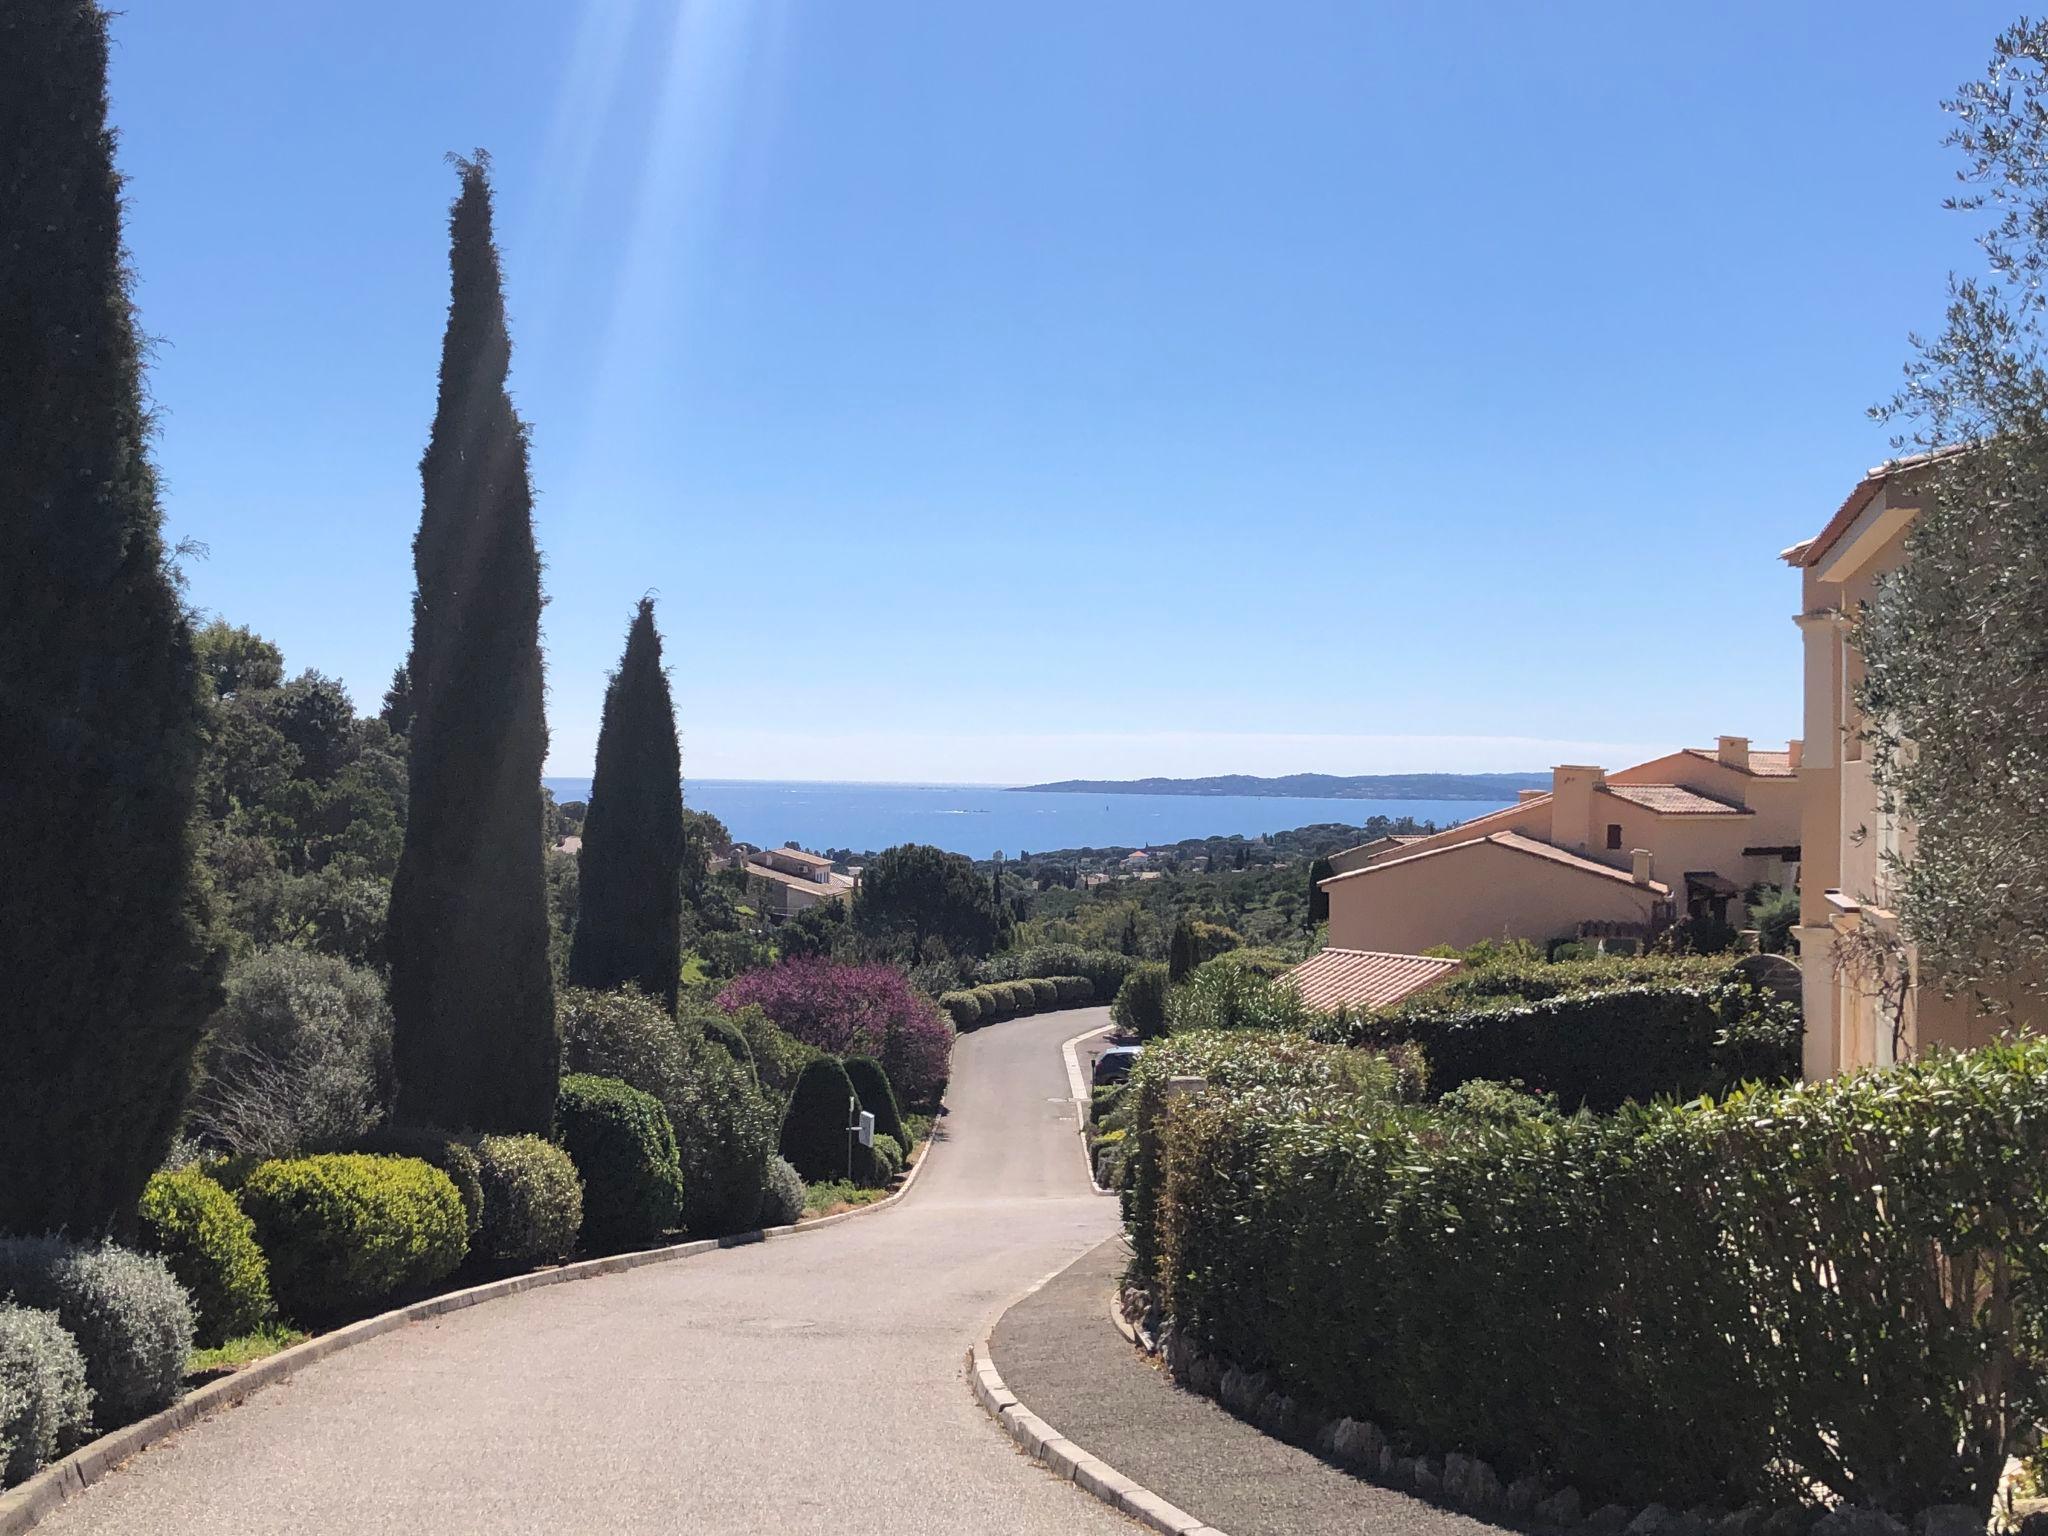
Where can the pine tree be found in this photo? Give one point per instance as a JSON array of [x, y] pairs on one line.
[[630, 873], [105, 935], [471, 997]]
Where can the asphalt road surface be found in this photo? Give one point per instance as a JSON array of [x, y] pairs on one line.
[[813, 1384]]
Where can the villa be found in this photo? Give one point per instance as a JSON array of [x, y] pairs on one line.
[[1608, 858], [786, 881]]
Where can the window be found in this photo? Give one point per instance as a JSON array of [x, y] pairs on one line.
[[1614, 835]]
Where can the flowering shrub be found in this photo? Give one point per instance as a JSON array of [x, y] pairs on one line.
[[855, 1010]]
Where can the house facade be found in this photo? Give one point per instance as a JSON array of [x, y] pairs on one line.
[[785, 881], [1599, 856], [1857, 1014]]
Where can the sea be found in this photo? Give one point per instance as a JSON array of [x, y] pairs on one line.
[[982, 820]]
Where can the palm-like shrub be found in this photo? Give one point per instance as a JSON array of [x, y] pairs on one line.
[[863, 1010], [625, 1150], [814, 1127], [210, 1246], [45, 1405], [131, 1318], [533, 1202], [344, 1230]]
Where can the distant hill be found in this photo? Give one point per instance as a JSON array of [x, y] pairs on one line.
[[1316, 786]]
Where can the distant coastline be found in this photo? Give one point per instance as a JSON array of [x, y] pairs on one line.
[[1314, 786]]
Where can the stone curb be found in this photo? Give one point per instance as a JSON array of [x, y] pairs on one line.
[[1061, 1457], [1077, 1087], [24, 1506]]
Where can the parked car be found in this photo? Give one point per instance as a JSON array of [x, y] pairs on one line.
[[1114, 1064]]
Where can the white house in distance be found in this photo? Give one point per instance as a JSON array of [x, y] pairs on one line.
[[785, 881]]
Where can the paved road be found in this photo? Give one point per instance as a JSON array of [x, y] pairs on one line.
[[807, 1385]]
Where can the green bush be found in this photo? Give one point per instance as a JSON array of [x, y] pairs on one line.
[[45, 1405], [131, 1318], [211, 1247], [782, 1201], [888, 1156], [814, 1136], [1105, 969], [1044, 994], [624, 1150], [437, 1149], [1140, 1006], [964, 1008], [871, 1083], [344, 1230], [778, 1056], [722, 1032], [1018, 997], [1225, 993], [1828, 1291], [725, 1132], [533, 1202], [1074, 991], [623, 1034], [1598, 1049]]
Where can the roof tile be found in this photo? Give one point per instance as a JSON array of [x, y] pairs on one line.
[[1364, 978]]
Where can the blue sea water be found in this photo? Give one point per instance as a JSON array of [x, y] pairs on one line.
[[978, 820]]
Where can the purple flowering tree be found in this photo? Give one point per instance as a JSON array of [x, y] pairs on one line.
[[856, 1010]]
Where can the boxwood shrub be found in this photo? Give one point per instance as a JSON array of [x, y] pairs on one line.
[[1827, 1291], [1105, 969], [625, 1151], [782, 1201], [1044, 994], [533, 1202], [210, 1246], [1074, 991], [440, 1149], [964, 1008], [814, 1135], [345, 1230], [131, 1318], [871, 1083], [45, 1405], [888, 1158]]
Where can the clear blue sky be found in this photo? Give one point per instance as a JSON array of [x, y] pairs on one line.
[[1005, 391]]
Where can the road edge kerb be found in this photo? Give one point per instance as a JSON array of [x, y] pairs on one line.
[[1061, 1457], [24, 1506], [1078, 1091]]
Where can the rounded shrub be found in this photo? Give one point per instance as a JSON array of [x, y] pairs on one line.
[[871, 1083], [722, 1032], [131, 1318], [994, 1003], [782, 1202], [725, 1133], [1044, 994], [438, 1149], [1140, 1005], [814, 1136], [533, 1202], [1018, 998], [889, 1156], [1074, 991], [344, 1229], [964, 1008], [45, 1405], [211, 1247], [624, 1148]]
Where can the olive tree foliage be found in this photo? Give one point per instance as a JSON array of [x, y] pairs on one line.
[[1955, 642]]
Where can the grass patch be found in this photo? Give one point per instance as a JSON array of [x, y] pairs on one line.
[[244, 1350], [830, 1198]]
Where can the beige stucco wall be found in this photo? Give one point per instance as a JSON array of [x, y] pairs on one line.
[[1479, 892]]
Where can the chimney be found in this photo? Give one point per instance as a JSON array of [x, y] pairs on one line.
[[1524, 796], [1639, 865], [1571, 805], [1734, 752], [1796, 751]]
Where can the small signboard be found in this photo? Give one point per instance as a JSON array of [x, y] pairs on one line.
[[867, 1129]]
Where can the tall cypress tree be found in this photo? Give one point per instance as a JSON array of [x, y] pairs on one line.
[[471, 997], [104, 931], [629, 924]]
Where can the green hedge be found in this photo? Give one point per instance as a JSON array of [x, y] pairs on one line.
[[437, 1149], [1104, 969], [888, 1157], [624, 1150], [1045, 996], [210, 1246], [871, 1083], [996, 1001], [963, 1008], [1222, 994], [131, 1318], [1074, 991], [1140, 1006], [1833, 1290], [533, 1202], [814, 1135], [1598, 1049], [344, 1230]]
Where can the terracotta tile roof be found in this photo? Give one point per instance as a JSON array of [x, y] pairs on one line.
[[1364, 978], [1865, 491], [1673, 800], [1515, 842], [1763, 765], [815, 861]]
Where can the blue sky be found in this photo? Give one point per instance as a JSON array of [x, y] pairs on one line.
[[997, 392]]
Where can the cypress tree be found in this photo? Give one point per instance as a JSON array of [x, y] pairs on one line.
[[472, 1001], [629, 924], [105, 935], [1319, 870], [1181, 957]]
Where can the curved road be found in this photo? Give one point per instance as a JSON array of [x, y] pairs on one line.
[[812, 1384]]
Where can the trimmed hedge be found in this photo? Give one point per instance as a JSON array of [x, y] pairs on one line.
[[996, 1001], [437, 1149], [45, 1405], [210, 1246], [344, 1230], [1074, 991], [1140, 1006], [1104, 969], [1599, 1049], [871, 1083], [533, 1202], [963, 1008], [1831, 1291], [814, 1138], [131, 1318], [1044, 994], [624, 1148]]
